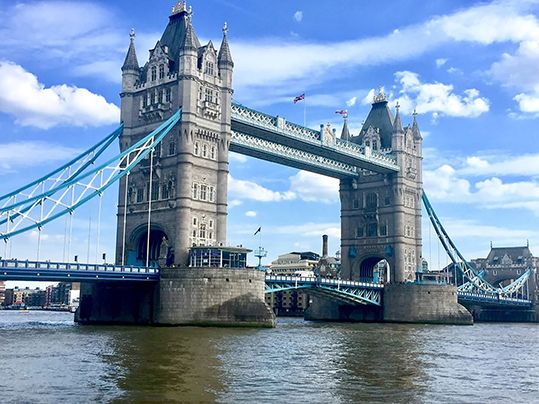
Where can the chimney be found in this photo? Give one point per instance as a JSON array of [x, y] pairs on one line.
[[325, 245]]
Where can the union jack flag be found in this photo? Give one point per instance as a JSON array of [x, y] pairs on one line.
[[299, 98], [342, 112]]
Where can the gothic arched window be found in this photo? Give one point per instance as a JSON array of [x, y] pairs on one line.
[[161, 72], [154, 73]]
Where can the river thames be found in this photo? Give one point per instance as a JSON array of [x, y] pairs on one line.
[[45, 357]]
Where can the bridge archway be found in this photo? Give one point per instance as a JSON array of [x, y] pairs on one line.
[[159, 247], [374, 269]]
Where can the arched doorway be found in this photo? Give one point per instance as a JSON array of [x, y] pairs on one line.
[[159, 247], [374, 269]]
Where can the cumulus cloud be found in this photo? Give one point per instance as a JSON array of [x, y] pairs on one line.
[[298, 16], [440, 62], [438, 98], [250, 213], [443, 183], [351, 102], [502, 165], [32, 104], [14, 156], [311, 187], [242, 189]]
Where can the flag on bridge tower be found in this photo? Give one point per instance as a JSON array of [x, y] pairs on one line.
[[258, 231], [343, 112]]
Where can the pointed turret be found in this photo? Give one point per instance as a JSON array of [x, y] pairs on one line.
[[131, 62], [189, 42], [345, 134], [397, 123], [130, 68], [415, 128], [225, 57]]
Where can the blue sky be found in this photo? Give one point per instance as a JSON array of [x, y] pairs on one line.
[[469, 68]]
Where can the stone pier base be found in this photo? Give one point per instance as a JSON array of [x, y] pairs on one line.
[[183, 296], [420, 303], [323, 309], [222, 297]]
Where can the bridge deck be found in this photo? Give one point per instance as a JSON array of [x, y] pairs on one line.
[[14, 270]]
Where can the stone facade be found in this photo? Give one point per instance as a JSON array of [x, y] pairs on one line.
[[381, 213], [188, 188]]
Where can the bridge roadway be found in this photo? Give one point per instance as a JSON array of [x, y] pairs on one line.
[[351, 292], [14, 270]]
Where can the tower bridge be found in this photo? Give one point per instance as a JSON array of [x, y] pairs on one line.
[[178, 125]]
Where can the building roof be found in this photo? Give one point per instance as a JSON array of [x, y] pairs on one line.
[[512, 252], [307, 255], [174, 35], [379, 117]]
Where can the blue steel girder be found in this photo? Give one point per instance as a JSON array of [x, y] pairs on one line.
[[278, 130], [281, 154], [493, 300], [68, 196], [14, 270], [346, 291]]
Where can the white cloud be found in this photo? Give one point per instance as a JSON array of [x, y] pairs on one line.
[[14, 156], [240, 158], [440, 62], [241, 189], [483, 24], [438, 98], [33, 104], [502, 165], [298, 16], [250, 213], [443, 183], [351, 102], [311, 187]]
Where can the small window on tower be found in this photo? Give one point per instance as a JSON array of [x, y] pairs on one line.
[[204, 150], [213, 153], [171, 148], [154, 73], [161, 72], [209, 68], [197, 148], [168, 94]]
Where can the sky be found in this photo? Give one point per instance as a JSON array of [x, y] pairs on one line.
[[469, 68]]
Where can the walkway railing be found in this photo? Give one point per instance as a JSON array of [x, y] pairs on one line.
[[74, 272]]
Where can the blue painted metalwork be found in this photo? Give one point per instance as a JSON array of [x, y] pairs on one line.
[[302, 143], [490, 299], [346, 291], [71, 169], [476, 283], [71, 194], [14, 270]]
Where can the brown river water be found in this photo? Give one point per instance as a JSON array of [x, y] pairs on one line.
[[46, 358]]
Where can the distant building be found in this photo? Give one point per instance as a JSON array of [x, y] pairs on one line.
[[294, 302], [2, 293], [61, 295]]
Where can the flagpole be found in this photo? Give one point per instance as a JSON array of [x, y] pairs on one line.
[[305, 109]]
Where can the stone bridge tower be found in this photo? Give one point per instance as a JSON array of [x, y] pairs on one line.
[[188, 191], [381, 213]]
